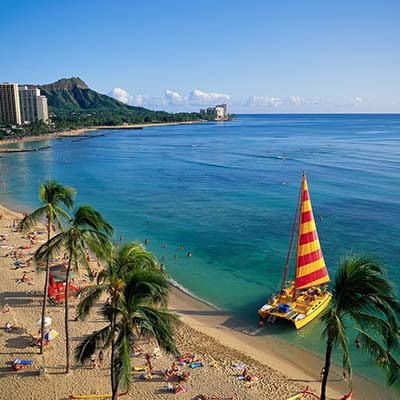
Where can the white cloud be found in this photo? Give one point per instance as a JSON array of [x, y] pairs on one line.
[[120, 94], [145, 100], [262, 101], [198, 97], [174, 98], [170, 98]]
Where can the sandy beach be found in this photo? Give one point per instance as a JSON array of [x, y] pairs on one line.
[[80, 131], [212, 335]]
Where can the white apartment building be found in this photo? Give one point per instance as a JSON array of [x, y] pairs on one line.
[[33, 106]]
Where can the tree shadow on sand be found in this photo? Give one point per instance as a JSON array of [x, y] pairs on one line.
[[18, 299]]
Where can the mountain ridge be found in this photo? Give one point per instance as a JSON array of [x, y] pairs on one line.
[[73, 104]]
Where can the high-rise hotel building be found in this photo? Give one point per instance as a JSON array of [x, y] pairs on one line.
[[20, 104], [33, 106], [10, 112]]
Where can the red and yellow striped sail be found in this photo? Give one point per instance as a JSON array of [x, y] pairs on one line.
[[310, 264]]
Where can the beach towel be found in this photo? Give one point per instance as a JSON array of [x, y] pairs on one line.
[[139, 368]]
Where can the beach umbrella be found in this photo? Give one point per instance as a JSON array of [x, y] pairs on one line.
[[50, 335], [47, 321]]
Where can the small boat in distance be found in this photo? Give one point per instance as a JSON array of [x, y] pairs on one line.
[[301, 300]]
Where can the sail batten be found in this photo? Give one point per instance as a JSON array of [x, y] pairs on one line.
[[310, 264]]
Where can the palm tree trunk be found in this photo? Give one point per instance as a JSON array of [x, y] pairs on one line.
[[114, 382], [66, 321], [46, 288], [328, 355]]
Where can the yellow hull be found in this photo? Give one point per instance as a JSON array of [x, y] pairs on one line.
[[299, 311]]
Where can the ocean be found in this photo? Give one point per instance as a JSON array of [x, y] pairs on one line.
[[226, 192]]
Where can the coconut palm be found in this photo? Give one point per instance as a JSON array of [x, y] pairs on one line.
[[87, 231], [111, 279], [138, 307], [363, 300], [53, 197]]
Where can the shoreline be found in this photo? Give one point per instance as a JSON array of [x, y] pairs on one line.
[[301, 369], [79, 131]]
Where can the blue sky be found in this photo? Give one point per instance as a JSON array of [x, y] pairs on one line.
[[259, 56]]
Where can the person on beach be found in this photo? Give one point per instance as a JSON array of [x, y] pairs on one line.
[[162, 267], [101, 358], [171, 372], [357, 342], [321, 374], [93, 360], [149, 364], [25, 278]]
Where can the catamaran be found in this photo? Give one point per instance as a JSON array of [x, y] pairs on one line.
[[301, 300]]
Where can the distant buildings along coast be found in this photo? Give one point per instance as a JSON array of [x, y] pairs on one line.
[[220, 112], [20, 104]]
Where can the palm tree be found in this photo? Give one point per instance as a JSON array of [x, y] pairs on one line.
[[111, 279], [363, 297], [139, 295], [88, 230], [52, 195]]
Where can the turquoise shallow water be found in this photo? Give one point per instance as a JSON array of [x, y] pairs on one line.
[[228, 192]]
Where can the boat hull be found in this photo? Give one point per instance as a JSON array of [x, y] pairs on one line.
[[299, 311]]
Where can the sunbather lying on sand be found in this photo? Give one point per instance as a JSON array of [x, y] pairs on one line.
[[180, 389], [25, 278], [184, 377], [9, 327]]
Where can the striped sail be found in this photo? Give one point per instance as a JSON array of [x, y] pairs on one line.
[[310, 264]]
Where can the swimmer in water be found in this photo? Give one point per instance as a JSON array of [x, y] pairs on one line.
[[189, 254], [146, 241]]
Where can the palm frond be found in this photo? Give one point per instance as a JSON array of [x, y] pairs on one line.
[[89, 296], [51, 248], [146, 285], [156, 323], [91, 342], [381, 326], [344, 344], [87, 216], [30, 221], [381, 356], [124, 345]]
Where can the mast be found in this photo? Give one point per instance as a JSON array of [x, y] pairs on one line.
[[301, 199], [291, 242]]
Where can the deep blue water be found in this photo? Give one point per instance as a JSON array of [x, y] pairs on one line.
[[227, 192]]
